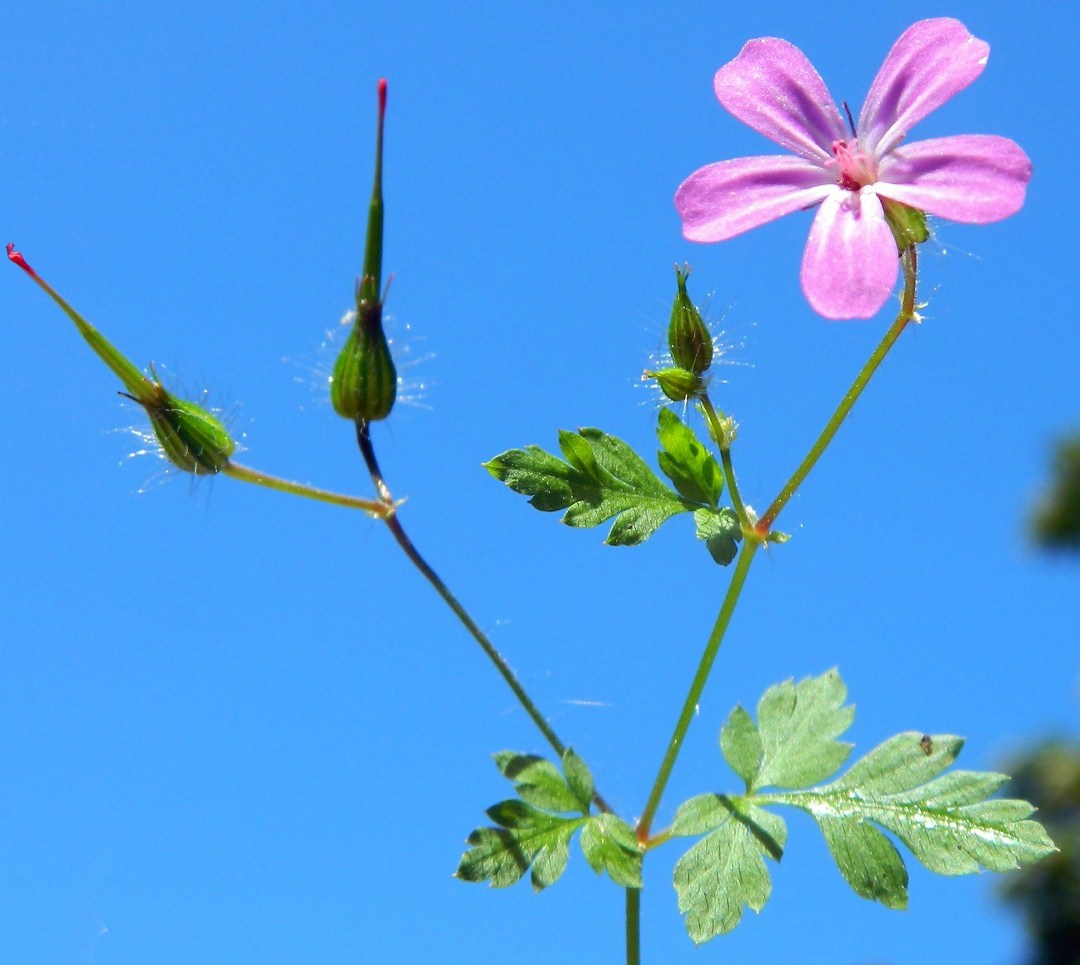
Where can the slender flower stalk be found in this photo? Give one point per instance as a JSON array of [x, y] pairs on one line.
[[906, 314]]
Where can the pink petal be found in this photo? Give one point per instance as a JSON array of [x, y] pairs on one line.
[[850, 263], [973, 178], [725, 199], [773, 87], [932, 61]]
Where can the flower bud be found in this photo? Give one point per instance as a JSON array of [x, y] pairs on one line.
[[908, 224], [364, 383], [688, 336], [677, 383]]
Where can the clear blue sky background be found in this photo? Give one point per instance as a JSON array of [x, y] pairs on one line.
[[237, 727]]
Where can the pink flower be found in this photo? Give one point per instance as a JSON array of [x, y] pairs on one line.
[[850, 264]]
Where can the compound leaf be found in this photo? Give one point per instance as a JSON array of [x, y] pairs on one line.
[[601, 478]]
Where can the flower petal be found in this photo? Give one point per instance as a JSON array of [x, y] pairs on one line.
[[972, 178], [725, 199], [932, 61], [773, 87], [850, 263]]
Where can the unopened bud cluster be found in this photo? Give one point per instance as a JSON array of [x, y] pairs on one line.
[[690, 344]]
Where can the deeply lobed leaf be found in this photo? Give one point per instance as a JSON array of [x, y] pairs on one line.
[[725, 871]]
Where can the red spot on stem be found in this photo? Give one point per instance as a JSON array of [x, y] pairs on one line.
[[19, 260], [382, 97]]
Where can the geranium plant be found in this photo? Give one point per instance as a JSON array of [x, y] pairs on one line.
[[873, 191]]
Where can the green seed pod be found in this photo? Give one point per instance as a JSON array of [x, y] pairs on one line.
[[364, 383], [688, 336], [677, 383], [908, 224], [191, 438]]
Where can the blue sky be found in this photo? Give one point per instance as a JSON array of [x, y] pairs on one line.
[[236, 726]]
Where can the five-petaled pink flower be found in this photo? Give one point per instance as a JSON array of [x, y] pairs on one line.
[[850, 264]]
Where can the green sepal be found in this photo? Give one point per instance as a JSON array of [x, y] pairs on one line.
[[908, 224]]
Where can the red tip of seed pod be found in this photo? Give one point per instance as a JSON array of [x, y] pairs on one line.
[[19, 260], [382, 96]]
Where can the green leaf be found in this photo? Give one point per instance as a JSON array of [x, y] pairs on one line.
[[534, 831], [601, 478], [539, 782], [725, 871], [721, 531], [610, 844], [526, 837], [578, 779], [686, 462], [741, 745], [868, 861], [798, 725], [948, 822]]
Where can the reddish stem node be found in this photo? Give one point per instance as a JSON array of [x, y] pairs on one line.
[[19, 260]]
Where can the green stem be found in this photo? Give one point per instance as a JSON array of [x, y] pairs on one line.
[[633, 926], [697, 686], [377, 508], [907, 313], [363, 438], [720, 435]]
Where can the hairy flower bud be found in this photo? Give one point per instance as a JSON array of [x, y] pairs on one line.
[[677, 383], [688, 336]]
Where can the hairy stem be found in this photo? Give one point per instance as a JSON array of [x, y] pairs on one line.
[[378, 508]]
